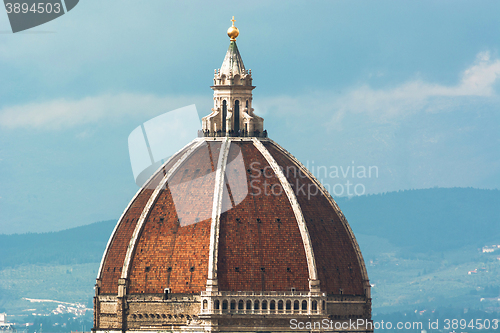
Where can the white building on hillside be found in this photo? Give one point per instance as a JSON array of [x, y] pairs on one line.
[[5, 327]]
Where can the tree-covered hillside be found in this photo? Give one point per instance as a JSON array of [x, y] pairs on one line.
[[79, 245], [437, 219], [418, 246]]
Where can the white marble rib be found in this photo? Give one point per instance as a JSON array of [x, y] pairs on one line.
[[152, 199], [311, 262], [212, 284], [99, 272], [335, 207]]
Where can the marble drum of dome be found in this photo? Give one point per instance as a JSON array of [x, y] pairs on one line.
[[231, 234]]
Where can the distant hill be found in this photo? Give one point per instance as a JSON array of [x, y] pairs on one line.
[[418, 245], [437, 219], [79, 245], [430, 220]]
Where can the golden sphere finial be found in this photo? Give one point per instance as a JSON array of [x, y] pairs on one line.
[[233, 32]]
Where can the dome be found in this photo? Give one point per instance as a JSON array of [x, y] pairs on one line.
[[231, 234], [241, 214]]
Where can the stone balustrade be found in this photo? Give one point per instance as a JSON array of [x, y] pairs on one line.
[[263, 303]]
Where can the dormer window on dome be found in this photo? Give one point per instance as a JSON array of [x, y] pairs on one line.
[[232, 114]]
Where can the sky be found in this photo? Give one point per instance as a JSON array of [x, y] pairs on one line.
[[410, 89]]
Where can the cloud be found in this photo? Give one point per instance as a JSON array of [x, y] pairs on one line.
[[64, 113], [479, 79], [418, 133], [387, 105], [410, 97], [382, 105]]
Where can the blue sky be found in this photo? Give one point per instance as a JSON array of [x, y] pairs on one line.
[[409, 87]]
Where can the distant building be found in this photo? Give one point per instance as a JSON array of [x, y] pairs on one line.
[[6, 327]]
